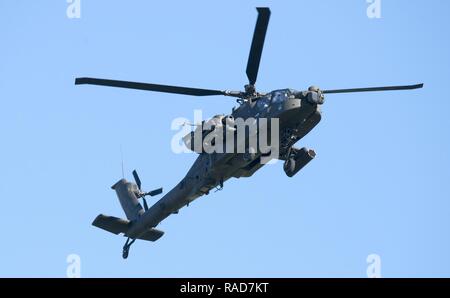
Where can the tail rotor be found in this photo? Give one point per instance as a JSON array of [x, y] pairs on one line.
[[143, 194]]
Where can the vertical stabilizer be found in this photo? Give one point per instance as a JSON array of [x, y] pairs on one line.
[[126, 192]]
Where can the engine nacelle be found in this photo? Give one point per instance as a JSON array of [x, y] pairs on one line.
[[297, 160], [314, 95], [207, 127]]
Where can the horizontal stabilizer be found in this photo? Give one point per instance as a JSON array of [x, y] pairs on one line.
[[111, 224], [151, 235], [117, 225]]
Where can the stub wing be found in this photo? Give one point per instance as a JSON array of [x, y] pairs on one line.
[[111, 224], [151, 235]]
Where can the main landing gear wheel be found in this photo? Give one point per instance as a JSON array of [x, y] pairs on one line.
[[126, 248], [125, 252]]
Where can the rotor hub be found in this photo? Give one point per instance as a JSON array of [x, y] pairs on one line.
[[250, 90]]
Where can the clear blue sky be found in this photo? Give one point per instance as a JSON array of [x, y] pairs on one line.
[[379, 184]]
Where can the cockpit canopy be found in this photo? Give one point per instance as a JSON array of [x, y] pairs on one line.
[[274, 98]]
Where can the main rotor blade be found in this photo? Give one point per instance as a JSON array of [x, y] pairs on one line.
[[389, 88], [150, 87], [136, 179], [259, 36]]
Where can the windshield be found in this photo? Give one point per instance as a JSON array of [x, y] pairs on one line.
[[263, 102], [279, 96]]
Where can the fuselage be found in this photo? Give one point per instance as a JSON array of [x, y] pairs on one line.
[[296, 117]]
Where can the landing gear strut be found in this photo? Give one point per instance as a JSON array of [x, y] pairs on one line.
[[126, 248]]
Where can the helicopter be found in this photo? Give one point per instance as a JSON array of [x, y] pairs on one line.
[[296, 112]]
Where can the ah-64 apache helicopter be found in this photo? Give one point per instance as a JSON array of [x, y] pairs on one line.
[[298, 113]]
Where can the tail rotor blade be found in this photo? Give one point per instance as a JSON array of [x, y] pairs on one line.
[[136, 179], [155, 192], [256, 49], [374, 89], [145, 204]]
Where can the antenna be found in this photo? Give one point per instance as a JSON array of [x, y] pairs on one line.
[[121, 157]]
